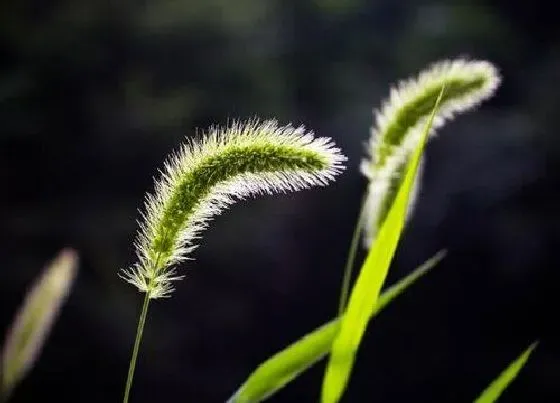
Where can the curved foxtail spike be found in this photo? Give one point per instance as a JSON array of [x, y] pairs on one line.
[[204, 177], [400, 121]]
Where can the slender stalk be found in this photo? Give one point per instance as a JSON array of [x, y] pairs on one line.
[[351, 257], [134, 357]]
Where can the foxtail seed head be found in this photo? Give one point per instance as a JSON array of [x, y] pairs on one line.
[[401, 119], [34, 320], [204, 177]]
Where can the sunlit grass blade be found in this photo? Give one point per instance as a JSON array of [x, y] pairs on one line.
[[286, 365], [365, 292], [499, 385], [35, 319]]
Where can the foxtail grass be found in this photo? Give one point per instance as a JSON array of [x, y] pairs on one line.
[[400, 121], [203, 178], [35, 319]]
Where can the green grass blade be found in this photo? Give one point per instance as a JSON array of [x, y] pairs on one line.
[[497, 387], [398, 288], [365, 292], [286, 365]]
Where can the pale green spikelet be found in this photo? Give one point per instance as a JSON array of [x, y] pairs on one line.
[[34, 320], [204, 177], [399, 123]]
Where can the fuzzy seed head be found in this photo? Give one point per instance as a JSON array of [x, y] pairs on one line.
[[400, 121], [204, 177], [35, 319]]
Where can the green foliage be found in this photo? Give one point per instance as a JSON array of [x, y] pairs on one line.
[[236, 59], [250, 158], [365, 292], [246, 159], [284, 366]]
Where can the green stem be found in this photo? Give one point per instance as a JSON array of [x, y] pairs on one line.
[[351, 257], [133, 359]]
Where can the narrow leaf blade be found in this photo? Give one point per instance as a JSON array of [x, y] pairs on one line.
[[499, 385], [365, 293], [286, 365]]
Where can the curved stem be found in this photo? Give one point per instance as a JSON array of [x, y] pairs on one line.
[[134, 357], [351, 256]]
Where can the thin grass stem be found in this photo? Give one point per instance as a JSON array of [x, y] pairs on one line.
[[351, 258], [134, 357]]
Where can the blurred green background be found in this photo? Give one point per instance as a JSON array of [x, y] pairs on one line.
[[93, 96]]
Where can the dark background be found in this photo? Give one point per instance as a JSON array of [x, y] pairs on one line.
[[93, 96]]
